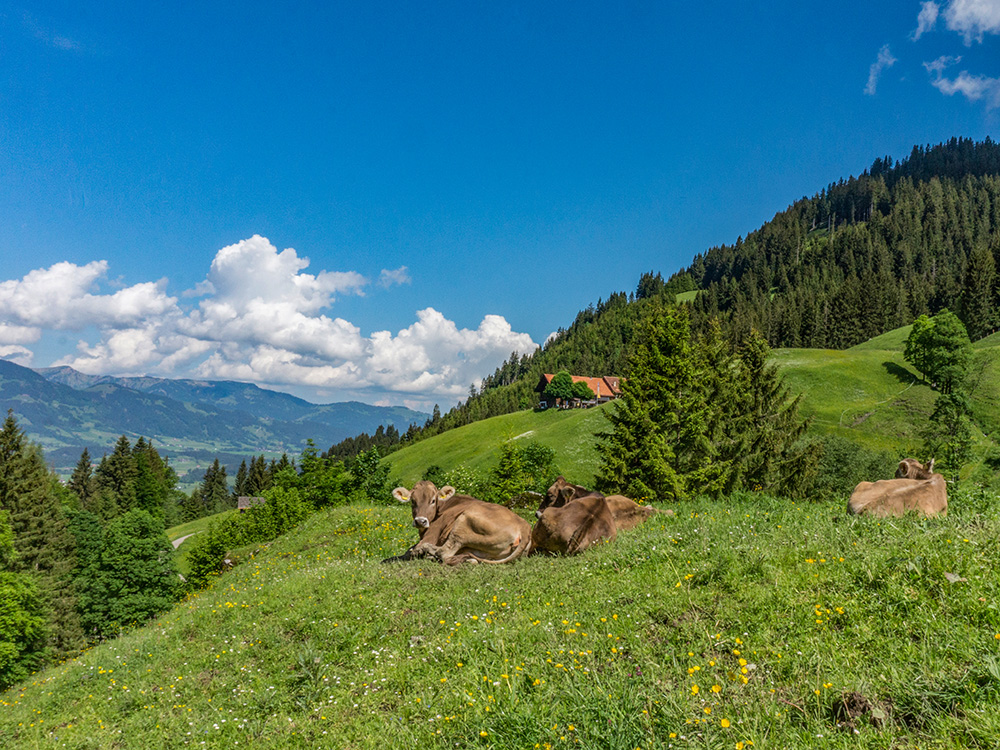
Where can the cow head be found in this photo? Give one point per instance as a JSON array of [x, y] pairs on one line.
[[560, 493], [424, 500], [911, 468]]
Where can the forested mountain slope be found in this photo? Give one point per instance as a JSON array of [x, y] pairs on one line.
[[865, 255], [862, 257]]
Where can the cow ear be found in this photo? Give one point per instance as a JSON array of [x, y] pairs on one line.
[[402, 494], [930, 466], [446, 492], [538, 514]]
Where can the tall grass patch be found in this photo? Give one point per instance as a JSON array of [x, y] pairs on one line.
[[748, 620]]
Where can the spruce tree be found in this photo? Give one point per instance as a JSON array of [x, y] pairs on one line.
[[214, 490], [659, 447], [259, 478], [116, 477], [82, 482], [150, 494], [766, 416], [241, 483], [42, 540], [978, 305]]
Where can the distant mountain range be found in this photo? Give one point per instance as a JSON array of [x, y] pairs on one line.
[[191, 421]]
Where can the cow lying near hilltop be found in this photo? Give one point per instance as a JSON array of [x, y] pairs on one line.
[[627, 513], [458, 528], [915, 488], [572, 528], [571, 518]]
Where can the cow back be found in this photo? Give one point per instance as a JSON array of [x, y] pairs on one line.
[[572, 528], [896, 497]]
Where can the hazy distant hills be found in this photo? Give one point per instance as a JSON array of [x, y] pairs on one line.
[[191, 421]]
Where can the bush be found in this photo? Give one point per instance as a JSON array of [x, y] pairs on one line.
[[435, 473], [465, 481], [23, 627], [283, 509], [844, 463], [522, 467], [135, 579]]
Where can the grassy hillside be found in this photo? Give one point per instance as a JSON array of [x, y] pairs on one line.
[[753, 620], [868, 394], [893, 340], [188, 533], [568, 432]]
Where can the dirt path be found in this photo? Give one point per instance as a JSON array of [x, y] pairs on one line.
[[180, 540]]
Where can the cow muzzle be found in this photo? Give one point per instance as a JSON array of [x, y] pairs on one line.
[[421, 523]]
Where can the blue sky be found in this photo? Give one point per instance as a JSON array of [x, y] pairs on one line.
[[461, 177]]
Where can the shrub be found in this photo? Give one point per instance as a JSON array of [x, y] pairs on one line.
[[844, 463], [283, 509]]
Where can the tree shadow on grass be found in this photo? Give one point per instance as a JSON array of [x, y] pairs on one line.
[[900, 373]]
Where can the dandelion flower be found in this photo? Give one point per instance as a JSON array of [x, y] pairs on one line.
[[725, 723]]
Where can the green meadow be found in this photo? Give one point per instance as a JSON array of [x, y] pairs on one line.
[[752, 622], [569, 432], [746, 622], [868, 394]]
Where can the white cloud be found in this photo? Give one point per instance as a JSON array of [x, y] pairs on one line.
[[60, 297], [14, 334], [434, 356], [973, 18], [926, 19], [937, 67], [260, 317], [261, 296], [972, 87], [388, 278], [17, 354], [883, 61]]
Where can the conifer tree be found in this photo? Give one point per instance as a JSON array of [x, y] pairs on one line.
[[259, 478], [42, 540], [978, 304], [82, 481], [214, 490], [767, 418], [116, 477], [240, 486], [150, 493], [659, 446], [23, 627]]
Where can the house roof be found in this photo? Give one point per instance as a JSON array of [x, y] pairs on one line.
[[608, 385]]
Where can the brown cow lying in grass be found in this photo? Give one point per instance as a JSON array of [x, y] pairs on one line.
[[915, 488], [458, 528], [627, 513], [572, 528], [571, 518]]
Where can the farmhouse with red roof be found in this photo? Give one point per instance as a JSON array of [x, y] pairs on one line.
[[605, 389]]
